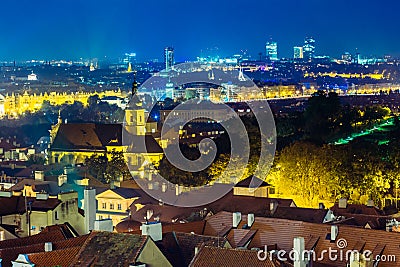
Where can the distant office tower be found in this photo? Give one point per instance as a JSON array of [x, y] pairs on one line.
[[309, 48], [129, 58], [271, 49], [298, 52], [347, 57], [169, 57]]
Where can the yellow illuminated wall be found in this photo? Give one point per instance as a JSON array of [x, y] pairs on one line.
[[17, 104]]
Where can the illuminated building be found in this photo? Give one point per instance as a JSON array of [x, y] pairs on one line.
[[333, 74], [309, 48], [72, 143], [13, 105], [347, 57], [298, 52], [41, 210], [114, 204], [271, 49], [168, 58], [129, 58], [32, 77]]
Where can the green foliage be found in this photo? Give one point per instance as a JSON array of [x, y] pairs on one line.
[[107, 170], [325, 173], [36, 159]]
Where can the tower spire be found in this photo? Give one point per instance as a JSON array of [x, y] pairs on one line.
[[59, 116], [134, 84]]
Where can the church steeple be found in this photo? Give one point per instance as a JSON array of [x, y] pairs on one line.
[[135, 113], [135, 101], [134, 84], [59, 117]]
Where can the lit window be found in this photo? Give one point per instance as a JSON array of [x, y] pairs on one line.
[[56, 215]]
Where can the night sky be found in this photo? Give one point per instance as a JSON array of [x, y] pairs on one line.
[[70, 29]]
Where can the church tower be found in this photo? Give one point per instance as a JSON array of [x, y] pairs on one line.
[[54, 128], [135, 121]]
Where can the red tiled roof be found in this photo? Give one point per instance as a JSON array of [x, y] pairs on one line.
[[60, 257], [356, 209], [10, 249], [240, 237], [188, 242], [300, 214], [223, 257], [87, 136], [252, 182], [16, 204], [109, 249], [245, 204], [281, 232], [362, 220], [133, 227]]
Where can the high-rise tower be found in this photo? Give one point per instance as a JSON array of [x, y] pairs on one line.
[[169, 58], [309, 48], [271, 50], [298, 52]]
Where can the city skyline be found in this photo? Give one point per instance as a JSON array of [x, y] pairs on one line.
[[72, 29]]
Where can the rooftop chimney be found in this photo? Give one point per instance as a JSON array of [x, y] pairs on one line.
[[149, 214], [89, 206], [237, 217], [250, 219], [62, 179], [370, 203], [299, 248], [39, 175], [343, 203], [334, 232], [273, 205], [42, 196], [48, 246], [154, 230]]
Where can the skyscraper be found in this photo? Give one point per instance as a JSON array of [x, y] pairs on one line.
[[309, 48], [271, 49], [129, 58], [168, 57], [298, 52]]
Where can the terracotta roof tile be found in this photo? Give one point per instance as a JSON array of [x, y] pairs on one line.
[[60, 257], [10, 249], [281, 232], [188, 242], [87, 136], [109, 249], [356, 209], [300, 214], [223, 257]]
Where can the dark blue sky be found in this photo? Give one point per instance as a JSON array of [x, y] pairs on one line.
[[55, 29]]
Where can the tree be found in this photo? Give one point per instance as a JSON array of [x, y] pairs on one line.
[[117, 168], [35, 159], [322, 116], [302, 170]]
